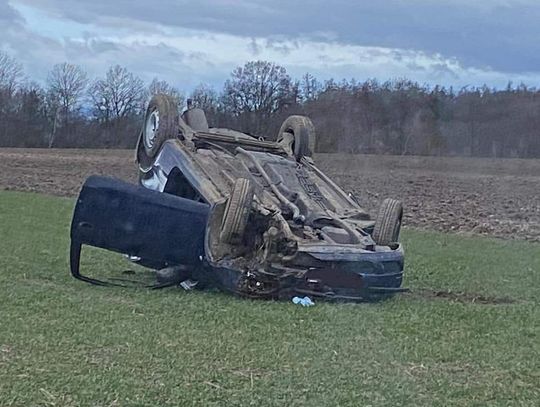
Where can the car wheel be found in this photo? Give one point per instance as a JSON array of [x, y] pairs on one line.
[[161, 123], [237, 211], [301, 134], [388, 223]]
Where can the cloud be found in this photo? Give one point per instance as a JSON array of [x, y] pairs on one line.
[[186, 42], [8, 15], [500, 34]]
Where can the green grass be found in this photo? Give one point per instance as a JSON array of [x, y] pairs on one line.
[[63, 342]]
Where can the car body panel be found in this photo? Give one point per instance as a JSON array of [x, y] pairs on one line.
[[128, 219], [304, 235]]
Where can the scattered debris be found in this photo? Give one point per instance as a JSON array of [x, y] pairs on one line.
[[305, 302], [188, 284]]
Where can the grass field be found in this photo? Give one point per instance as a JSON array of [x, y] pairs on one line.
[[65, 343]]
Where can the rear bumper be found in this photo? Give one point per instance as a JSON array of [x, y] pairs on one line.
[[351, 273], [347, 275]]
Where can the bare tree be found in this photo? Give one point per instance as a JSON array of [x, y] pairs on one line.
[[470, 103], [205, 97], [159, 86], [258, 86], [256, 91], [120, 94], [67, 83], [11, 74], [399, 117], [52, 108], [310, 87]]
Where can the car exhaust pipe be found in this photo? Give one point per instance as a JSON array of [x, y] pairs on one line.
[[162, 229]]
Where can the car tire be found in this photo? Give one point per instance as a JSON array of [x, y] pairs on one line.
[[237, 210], [303, 132], [161, 122], [388, 223]]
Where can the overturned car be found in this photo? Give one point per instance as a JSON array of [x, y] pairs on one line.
[[224, 209]]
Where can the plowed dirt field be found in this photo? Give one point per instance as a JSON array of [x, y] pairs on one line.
[[497, 197]]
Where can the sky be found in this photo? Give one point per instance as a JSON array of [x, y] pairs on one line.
[[447, 42]]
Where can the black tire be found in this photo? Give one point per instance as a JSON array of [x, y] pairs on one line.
[[237, 210], [303, 131], [155, 133], [388, 223], [196, 119]]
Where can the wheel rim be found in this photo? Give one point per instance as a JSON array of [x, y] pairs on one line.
[[151, 127]]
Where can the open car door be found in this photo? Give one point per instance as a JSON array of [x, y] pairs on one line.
[[161, 229]]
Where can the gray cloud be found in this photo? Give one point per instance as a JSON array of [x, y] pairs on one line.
[[185, 42], [7, 13], [498, 34], [38, 53]]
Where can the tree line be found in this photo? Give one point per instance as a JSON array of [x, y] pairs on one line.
[[393, 117]]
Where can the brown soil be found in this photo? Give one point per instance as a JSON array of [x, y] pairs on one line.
[[497, 197], [61, 172]]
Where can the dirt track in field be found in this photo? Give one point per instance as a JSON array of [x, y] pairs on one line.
[[497, 197]]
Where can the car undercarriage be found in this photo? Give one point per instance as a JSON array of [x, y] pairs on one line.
[[252, 217]]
